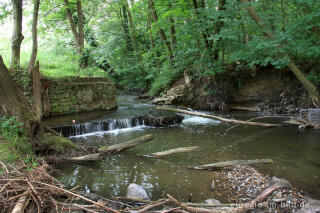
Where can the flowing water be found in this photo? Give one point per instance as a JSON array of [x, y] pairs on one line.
[[296, 153]]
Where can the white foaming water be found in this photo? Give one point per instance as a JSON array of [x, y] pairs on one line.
[[188, 119], [114, 132]]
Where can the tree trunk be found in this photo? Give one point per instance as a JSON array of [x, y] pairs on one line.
[[311, 88], [36, 92], [133, 31], [12, 101], [173, 34], [78, 38], [34, 36], [161, 31], [150, 32], [125, 27], [80, 25], [172, 30], [17, 36]]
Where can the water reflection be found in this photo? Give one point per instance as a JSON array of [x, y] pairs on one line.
[[296, 156]]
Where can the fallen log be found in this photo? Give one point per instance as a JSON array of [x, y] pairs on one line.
[[218, 118], [126, 145], [80, 159], [291, 120], [174, 151], [230, 163]]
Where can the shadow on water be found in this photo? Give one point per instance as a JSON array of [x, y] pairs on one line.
[[296, 155]]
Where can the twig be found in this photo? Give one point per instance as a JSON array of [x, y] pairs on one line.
[[18, 196], [5, 186], [35, 192], [210, 205], [192, 209], [38, 207], [83, 208], [4, 166], [153, 205], [83, 198], [173, 209]]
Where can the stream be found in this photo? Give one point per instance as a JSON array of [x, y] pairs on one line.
[[296, 154]]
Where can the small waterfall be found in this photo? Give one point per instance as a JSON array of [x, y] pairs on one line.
[[117, 124], [100, 126]]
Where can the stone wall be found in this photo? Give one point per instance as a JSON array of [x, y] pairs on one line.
[[71, 95]]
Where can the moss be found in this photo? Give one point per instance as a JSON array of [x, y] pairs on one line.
[[7, 153], [58, 144]]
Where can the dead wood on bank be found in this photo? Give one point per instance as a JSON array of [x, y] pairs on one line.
[[217, 117], [36, 191], [275, 184], [219, 165], [96, 154], [81, 159], [299, 121]]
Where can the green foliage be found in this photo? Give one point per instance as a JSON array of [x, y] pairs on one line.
[[10, 127], [15, 146], [4, 11], [314, 77], [225, 30], [57, 144]]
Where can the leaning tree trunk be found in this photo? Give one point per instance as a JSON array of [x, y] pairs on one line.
[[78, 34], [34, 36], [17, 36], [311, 88], [12, 100]]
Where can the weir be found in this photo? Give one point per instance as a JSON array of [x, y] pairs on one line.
[[114, 124]]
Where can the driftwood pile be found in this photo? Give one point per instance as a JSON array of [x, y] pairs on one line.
[[37, 191]]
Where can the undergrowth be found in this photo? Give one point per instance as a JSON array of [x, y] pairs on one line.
[[14, 146]]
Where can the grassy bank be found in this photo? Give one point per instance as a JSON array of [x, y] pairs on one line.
[[14, 146], [53, 63]]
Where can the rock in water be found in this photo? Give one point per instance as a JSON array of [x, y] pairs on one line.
[[136, 191], [212, 201]]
